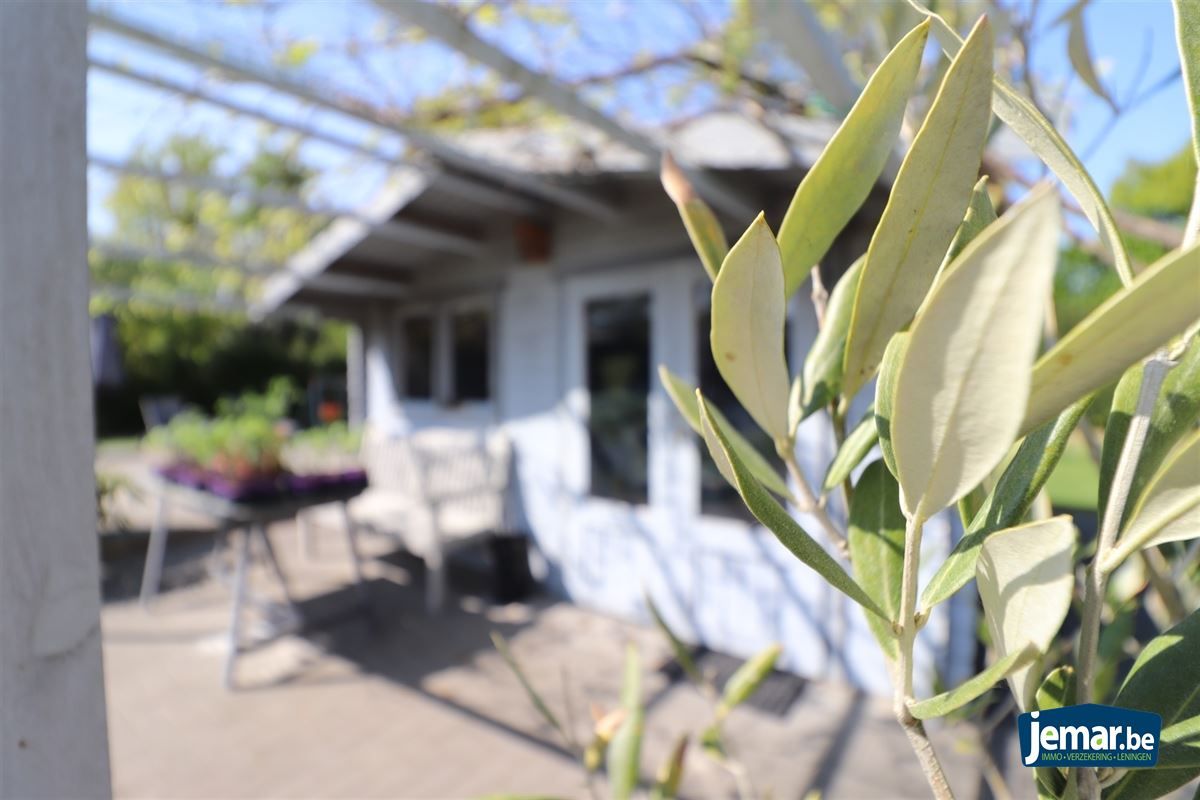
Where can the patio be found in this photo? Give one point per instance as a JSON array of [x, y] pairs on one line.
[[414, 706]]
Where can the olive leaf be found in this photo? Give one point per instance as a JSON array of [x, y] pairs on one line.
[[822, 375], [1023, 117], [748, 315], [876, 541], [535, 698], [1174, 414], [963, 383], [708, 238], [980, 214], [624, 751], [1187, 34], [679, 649], [1019, 484], [842, 177], [954, 699], [1026, 577], [1162, 680], [777, 520], [885, 396], [1080, 54], [927, 203], [683, 395], [745, 681], [853, 450], [670, 774], [1161, 303], [1170, 509]]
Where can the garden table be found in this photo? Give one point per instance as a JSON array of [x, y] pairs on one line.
[[250, 519]]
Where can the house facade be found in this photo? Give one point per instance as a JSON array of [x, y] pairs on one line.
[[553, 329]]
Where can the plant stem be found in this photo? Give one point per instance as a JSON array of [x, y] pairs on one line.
[[913, 728], [1096, 579], [807, 501]]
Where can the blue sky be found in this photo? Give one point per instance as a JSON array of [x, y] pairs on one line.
[[1127, 39]]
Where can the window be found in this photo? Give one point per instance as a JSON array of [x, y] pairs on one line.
[[418, 358], [618, 382], [717, 497], [470, 331]]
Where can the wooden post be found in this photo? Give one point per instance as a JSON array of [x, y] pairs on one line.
[[53, 741]]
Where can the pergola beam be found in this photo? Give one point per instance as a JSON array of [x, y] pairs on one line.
[[560, 195], [481, 192], [399, 231], [443, 24], [333, 283]]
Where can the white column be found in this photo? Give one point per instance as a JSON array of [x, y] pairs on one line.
[[53, 741]]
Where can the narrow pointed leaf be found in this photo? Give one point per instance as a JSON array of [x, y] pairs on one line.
[[1162, 681], [942, 704], [743, 683], [777, 520], [1057, 690], [876, 540], [1007, 503], [1080, 55], [963, 385], [670, 774], [885, 396], [980, 214], [822, 375], [1023, 117], [625, 749], [1170, 509], [927, 203], [502, 647], [679, 649], [1161, 303], [1026, 578], [683, 395], [1187, 35], [851, 162], [853, 450], [1174, 414], [748, 315], [708, 238]]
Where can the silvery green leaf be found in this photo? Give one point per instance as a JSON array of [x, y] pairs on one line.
[[1026, 577], [1163, 302], [927, 203], [1080, 54], [625, 749], [670, 774], [822, 374], [1169, 511], [851, 162], [748, 315], [853, 450], [963, 384], [1007, 503], [777, 520], [954, 699], [885, 396], [708, 238], [1162, 681], [502, 647], [683, 395], [980, 214], [745, 681], [1174, 414], [876, 541], [1023, 117]]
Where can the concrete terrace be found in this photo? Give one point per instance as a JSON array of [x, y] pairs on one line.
[[417, 707]]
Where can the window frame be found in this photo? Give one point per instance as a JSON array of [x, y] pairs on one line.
[[441, 315]]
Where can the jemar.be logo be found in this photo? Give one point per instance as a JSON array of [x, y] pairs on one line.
[[1089, 735]]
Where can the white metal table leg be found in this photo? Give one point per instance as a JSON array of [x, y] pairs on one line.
[[239, 597], [156, 551]]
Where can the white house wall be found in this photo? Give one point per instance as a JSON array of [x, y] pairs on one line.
[[719, 581]]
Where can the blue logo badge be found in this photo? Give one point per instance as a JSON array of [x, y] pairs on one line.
[[1089, 736]]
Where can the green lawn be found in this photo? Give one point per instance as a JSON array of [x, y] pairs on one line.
[[1076, 479]]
